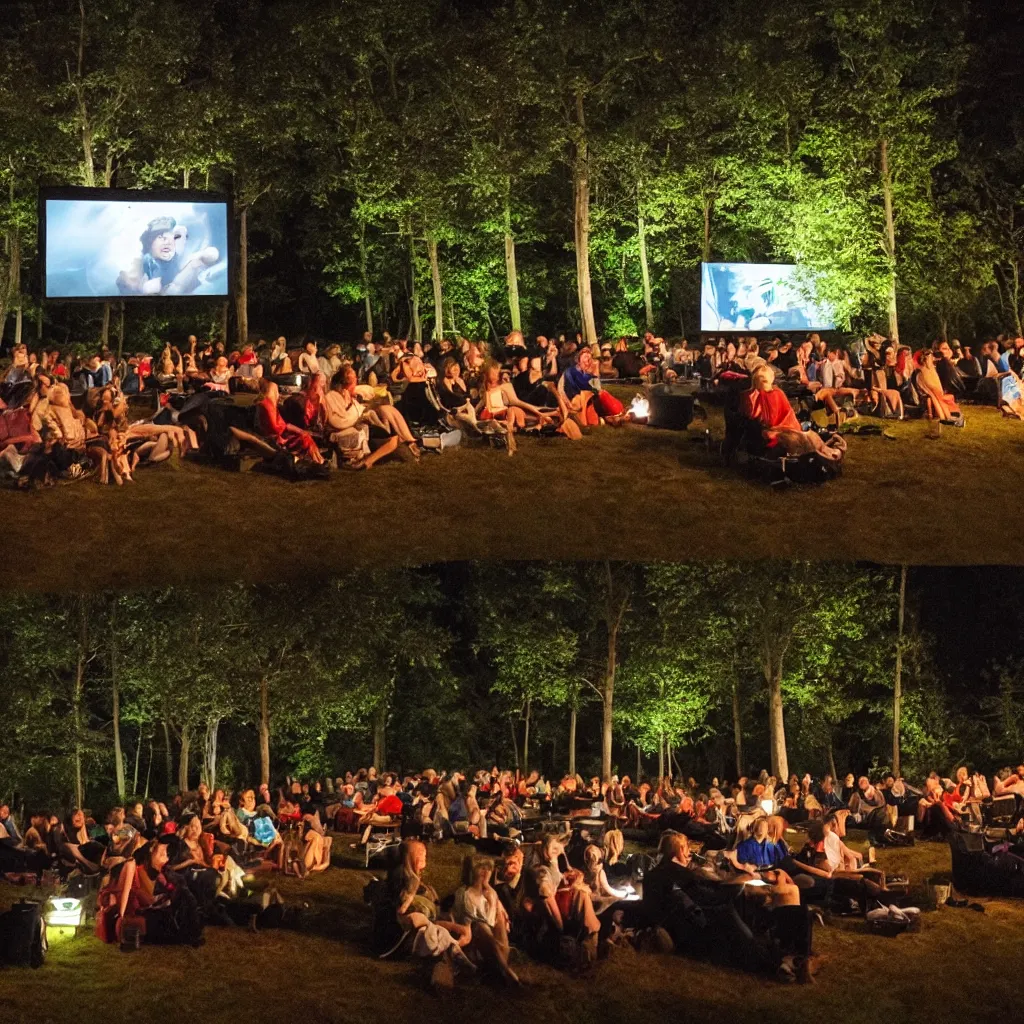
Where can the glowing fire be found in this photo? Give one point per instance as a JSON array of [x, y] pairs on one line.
[[640, 408]]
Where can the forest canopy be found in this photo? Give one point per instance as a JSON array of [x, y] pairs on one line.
[[519, 664], [441, 165]]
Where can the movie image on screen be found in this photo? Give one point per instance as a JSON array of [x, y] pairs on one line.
[[757, 297], [107, 248]]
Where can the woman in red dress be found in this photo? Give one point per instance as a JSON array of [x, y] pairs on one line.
[[271, 425]]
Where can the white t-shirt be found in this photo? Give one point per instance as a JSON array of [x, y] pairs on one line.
[[834, 851]]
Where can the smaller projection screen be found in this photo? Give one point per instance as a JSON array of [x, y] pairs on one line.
[[117, 244], [757, 297]]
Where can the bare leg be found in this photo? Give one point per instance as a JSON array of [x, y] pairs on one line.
[[386, 449], [395, 421]]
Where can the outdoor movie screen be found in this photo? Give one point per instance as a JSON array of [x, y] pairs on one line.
[[758, 297], [114, 243]]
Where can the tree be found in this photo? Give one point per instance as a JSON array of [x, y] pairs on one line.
[[871, 146], [531, 649]]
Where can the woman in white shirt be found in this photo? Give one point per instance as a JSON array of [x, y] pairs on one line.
[[477, 905], [499, 401]]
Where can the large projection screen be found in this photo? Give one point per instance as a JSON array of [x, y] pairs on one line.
[[754, 297], [126, 244]]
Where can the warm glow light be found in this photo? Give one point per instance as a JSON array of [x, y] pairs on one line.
[[63, 912], [640, 408], [767, 806]]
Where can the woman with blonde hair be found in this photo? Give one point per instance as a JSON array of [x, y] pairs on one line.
[[603, 894], [477, 905], [499, 401]]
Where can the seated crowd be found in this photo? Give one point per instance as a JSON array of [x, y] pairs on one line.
[[547, 873], [870, 377], [62, 418]]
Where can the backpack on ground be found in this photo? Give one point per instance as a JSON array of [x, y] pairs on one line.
[[23, 935]]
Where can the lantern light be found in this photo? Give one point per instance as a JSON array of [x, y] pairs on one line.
[[63, 914]]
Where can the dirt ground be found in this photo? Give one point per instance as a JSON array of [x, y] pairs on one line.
[[630, 493]]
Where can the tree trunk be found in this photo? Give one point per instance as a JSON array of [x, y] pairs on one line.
[[668, 759], [639, 764], [832, 760], [706, 249], [14, 283], [264, 732], [225, 312], [607, 703], [572, 741], [435, 278], [897, 686], [88, 171], [138, 754], [526, 739], [168, 757], [661, 758], [890, 238], [379, 724], [515, 742], [210, 753], [149, 769], [511, 275], [581, 225], [737, 727], [242, 296], [414, 295], [105, 326], [183, 755], [364, 277], [80, 663], [776, 722], [115, 687], [615, 608], [645, 273]]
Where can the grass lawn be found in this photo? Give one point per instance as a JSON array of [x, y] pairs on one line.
[[962, 966], [632, 493]]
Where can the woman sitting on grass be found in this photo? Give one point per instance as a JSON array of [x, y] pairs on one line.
[[499, 401], [227, 879], [940, 408], [453, 394], [478, 907], [780, 429], [271, 426], [383, 421], [75, 845], [603, 894], [154, 899], [416, 906], [887, 383]]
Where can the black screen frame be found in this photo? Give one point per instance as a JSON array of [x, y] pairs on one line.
[[135, 195]]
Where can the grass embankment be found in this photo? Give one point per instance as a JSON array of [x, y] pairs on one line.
[[632, 493], [962, 966]]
